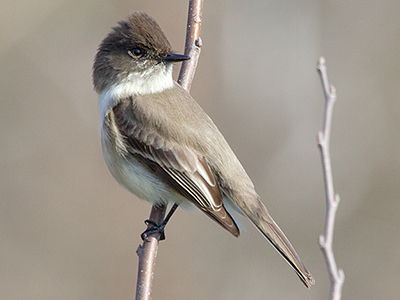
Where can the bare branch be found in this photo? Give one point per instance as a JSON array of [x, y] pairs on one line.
[[147, 252], [332, 199], [193, 44], [147, 256]]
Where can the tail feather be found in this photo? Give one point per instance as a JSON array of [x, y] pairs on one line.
[[271, 231]]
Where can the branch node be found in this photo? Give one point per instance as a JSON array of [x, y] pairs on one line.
[[198, 42], [341, 275], [321, 67], [336, 200], [139, 250], [322, 241], [332, 91], [320, 138], [321, 61]]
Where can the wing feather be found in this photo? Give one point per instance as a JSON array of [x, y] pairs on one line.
[[183, 169]]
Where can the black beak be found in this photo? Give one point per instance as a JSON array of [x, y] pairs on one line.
[[172, 57]]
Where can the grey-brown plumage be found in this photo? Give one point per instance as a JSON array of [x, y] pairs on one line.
[[160, 145], [183, 169]]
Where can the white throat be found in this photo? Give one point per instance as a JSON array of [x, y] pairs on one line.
[[135, 84]]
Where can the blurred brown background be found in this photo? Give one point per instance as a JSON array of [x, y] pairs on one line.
[[68, 231]]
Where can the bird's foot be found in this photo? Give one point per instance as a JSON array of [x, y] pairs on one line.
[[153, 229]]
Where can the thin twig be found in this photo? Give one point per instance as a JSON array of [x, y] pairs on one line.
[[147, 252], [193, 44], [147, 255], [332, 199]]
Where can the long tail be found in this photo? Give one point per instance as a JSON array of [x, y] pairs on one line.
[[261, 219]]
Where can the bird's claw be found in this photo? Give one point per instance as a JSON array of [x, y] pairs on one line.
[[153, 229]]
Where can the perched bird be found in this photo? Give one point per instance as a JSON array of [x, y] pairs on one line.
[[161, 146]]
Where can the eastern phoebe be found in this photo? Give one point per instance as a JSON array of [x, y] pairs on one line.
[[161, 146]]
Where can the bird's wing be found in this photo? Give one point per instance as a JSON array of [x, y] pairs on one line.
[[180, 167]]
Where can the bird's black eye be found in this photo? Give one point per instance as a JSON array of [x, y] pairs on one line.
[[135, 52]]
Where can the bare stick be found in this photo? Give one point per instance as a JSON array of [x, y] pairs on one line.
[[332, 200], [147, 255], [193, 44], [147, 252]]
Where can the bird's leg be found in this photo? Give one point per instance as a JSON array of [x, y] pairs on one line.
[[158, 227]]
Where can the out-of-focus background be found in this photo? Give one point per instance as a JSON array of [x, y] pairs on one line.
[[67, 229]]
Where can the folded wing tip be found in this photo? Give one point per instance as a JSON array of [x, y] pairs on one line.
[[307, 279], [235, 231]]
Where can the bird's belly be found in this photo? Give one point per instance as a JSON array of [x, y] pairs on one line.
[[137, 178]]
